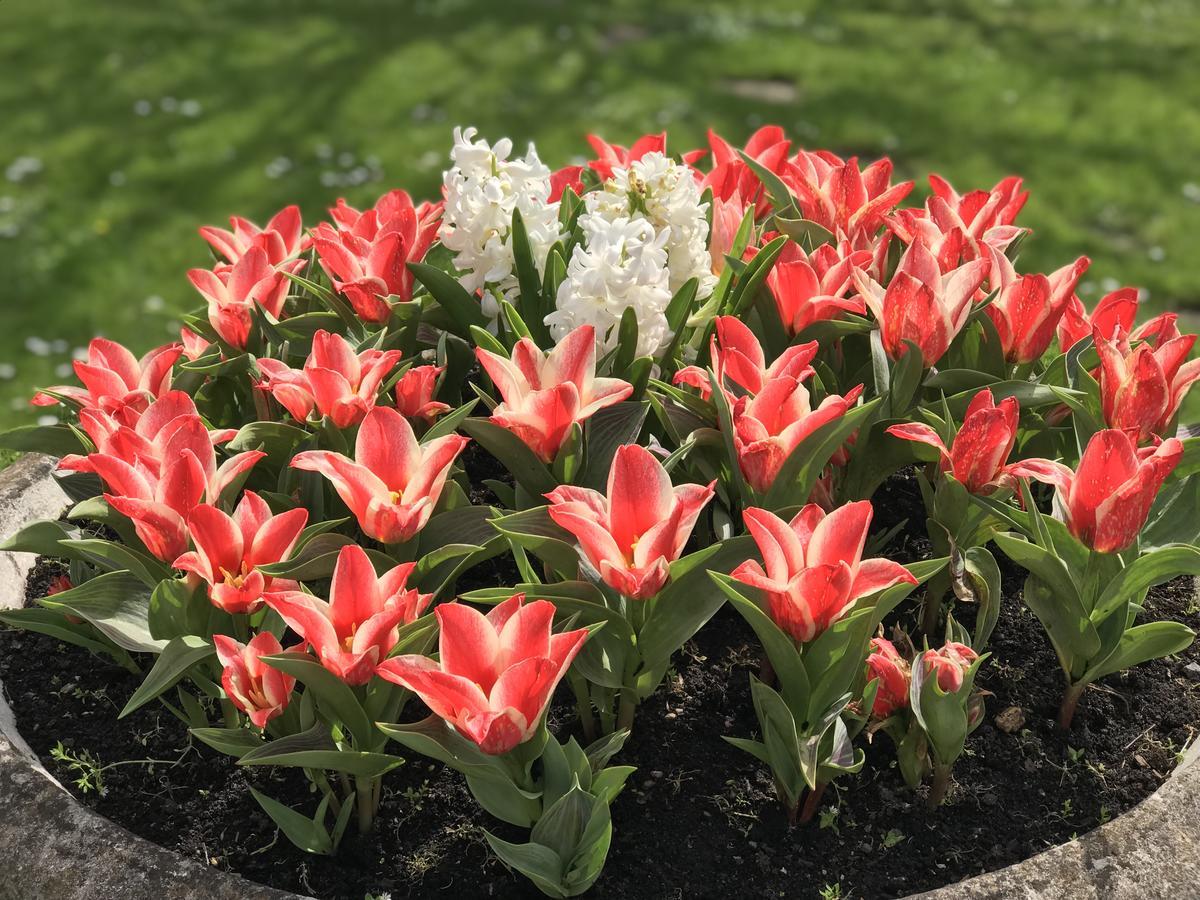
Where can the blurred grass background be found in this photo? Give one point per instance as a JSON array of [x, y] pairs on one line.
[[125, 126]]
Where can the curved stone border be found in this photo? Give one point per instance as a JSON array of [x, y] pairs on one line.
[[54, 848]]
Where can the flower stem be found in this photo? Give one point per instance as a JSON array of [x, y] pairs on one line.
[[583, 705], [1070, 701], [628, 709], [812, 802], [939, 785], [364, 793], [931, 606]]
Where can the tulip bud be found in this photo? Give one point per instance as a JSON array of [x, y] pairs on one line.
[[951, 664], [892, 671]]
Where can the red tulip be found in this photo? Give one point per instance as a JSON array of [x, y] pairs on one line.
[[158, 474], [951, 663], [335, 381], [232, 291], [769, 426], [731, 176], [194, 346], [393, 483], [810, 289], [496, 673], [1107, 499], [848, 202], [229, 550], [738, 360], [978, 452], [614, 156], [921, 304], [1028, 308], [1115, 310], [986, 215], [115, 381], [892, 671], [814, 570], [546, 393], [727, 218], [632, 535], [357, 628], [59, 584], [282, 239], [561, 179], [1142, 387], [414, 393], [257, 689], [367, 255]]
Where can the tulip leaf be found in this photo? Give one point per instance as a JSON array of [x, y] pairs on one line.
[[1142, 643], [688, 601], [235, 742], [562, 823], [677, 316], [530, 283], [942, 715], [1029, 395], [610, 428], [539, 864], [178, 608], [112, 556], [308, 834], [277, 439], [334, 697], [449, 423], [180, 654], [1062, 611], [1145, 572], [514, 454], [779, 647], [799, 473], [746, 290], [53, 440], [535, 531], [41, 537], [54, 623], [315, 749], [117, 604], [783, 203], [981, 584], [451, 296], [314, 559], [96, 509]]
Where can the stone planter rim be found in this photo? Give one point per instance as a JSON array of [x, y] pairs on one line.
[[50, 843]]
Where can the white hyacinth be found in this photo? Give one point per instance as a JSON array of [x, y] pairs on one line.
[[621, 264], [482, 189], [665, 193]]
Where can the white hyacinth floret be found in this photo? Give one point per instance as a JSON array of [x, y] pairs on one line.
[[622, 264], [482, 189]]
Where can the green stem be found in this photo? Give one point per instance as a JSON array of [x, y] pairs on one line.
[[583, 704], [605, 699], [811, 804], [932, 622], [364, 793], [1070, 702], [939, 785], [629, 705]]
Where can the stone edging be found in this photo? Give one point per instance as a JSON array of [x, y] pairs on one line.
[[54, 848]]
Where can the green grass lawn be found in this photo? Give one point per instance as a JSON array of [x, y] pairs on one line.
[[124, 126]]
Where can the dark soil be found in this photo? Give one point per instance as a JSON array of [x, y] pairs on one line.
[[699, 818]]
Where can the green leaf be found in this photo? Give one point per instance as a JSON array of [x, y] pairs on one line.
[[53, 622], [748, 283], [800, 471], [1142, 643], [313, 561], [53, 440], [307, 834], [41, 537], [983, 575], [315, 749], [782, 201], [177, 657], [235, 742], [535, 531], [688, 601], [1062, 611], [276, 439], [117, 604], [334, 697], [1145, 572], [178, 608], [451, 296], [539, 864], [449, 423], [606, 431], [111, 556], [514, 454]]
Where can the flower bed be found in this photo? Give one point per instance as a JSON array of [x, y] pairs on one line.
[[272, 520]]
